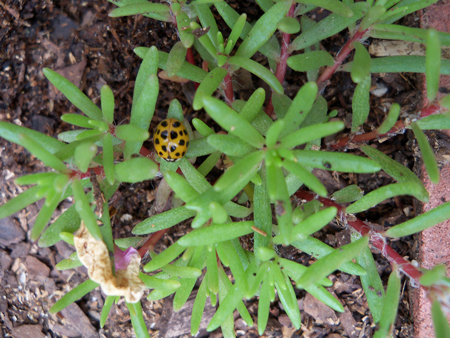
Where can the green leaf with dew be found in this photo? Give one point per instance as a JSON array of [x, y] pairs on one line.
[[84, 154], [165, 257], [177, 56], [105, 310], [361, 64], [350, 193], [162, 221], [137, 320]]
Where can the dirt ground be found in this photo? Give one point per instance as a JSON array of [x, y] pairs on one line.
[[80, 41]]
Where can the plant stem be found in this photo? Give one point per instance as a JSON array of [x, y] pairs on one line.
[[282, 63], [191, 60], [345, 51], [150, 243], [229, 93]]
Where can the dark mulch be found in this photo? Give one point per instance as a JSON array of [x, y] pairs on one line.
[[80, 41]]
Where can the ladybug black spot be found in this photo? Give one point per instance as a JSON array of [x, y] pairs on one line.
[[164, 148], [187, 144], [164, 134], [181, 143], [176, 124], [173, 148], [164, 124], [156, 140], [177, 154], [173, 135], [158, 131], [183, 153], [160, 153], [185, 132]]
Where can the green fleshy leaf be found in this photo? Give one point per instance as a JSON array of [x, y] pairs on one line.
[[202, 128], [216, 233], [73, 94], [389, 312], [305, 176], [208, 86], [309, 133], [84, 154], [155, 11], [77, 120], [176, 58], [11, 132], [310, 61], [288, 25], [427, 154], [433, 276], [235, 33], [329, 26], [135, 170], [334, 6], [439, 121], [348, 194], [129, 132], [263, 307], [318, 249], [107, 100], [73, 295], [83, 208], [137, 320], [432, 64], [105, 310], [441, 326], [164, 258], [372, 16], [207, 19], [401, 64], [375, 197], [163, 221], [361, 103], [371, 283], [361, 64], [198, 308], [45, 214], [232, 122], [230, 145], [262, 30], [391, 119], [258, 70], [67, 264], [187, 70], [394, 169], [421, 222], [19, 202], [108, 158], [153, 282], [326, 265], [43, 154], [398, 32]]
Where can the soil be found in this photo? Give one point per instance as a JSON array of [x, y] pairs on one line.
[[80, 41]]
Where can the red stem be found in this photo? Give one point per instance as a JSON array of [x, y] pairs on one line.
[[376, 238], [398, 126], [345, 51], [229, 93], [282, 63]]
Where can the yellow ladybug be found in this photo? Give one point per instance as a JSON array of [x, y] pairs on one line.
[[171, 140]]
